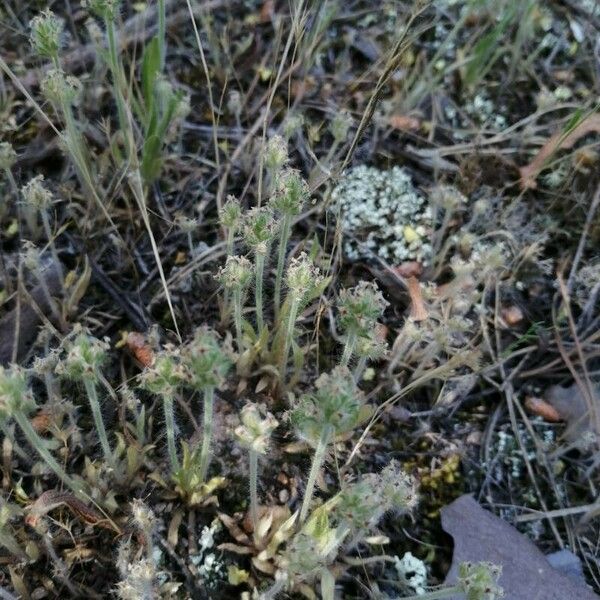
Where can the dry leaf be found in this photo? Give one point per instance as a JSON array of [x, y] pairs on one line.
[[541, 408], [405, 123], [526, 573], [140, 348], [557, 142]]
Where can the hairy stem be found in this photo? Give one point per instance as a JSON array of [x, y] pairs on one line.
[[170, 428], [48, 231], [92, 395], [360, 368], [237, 317], [40, 447], [209, 395], [327, 584], [254, 489], [289, 335], [258, 291], [284, 237], [349, 347], [317, 461]]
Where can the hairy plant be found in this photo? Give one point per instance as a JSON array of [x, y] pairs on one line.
[[207, 363], [16, 403], [254, 434], [302, 278], [335, 407], [259, 229], [290, 195], [163, 377], [84, 358], [236, 277], [359, 308]]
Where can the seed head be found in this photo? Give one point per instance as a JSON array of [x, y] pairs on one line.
[[480, 581], [105, 9], [46, 31], [143, 517], [236, 274], [205, 360], [85, 356], [8, 156], [340, 125], [276, 154], [302, 276], [259, 229], [230, 213], [165, 374], [335, 403], [15, 395], [291, 193], [360, 307], [396, 489], [256, 428], [60, 88], [36, 194]]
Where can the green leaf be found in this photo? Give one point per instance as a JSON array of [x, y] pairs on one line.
[[150, 72], [151, 158]]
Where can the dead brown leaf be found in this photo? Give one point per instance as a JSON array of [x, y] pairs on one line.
[[558, 141]]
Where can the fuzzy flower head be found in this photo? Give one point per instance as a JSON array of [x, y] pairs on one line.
[[307, 553], [143, 517], [255, 431], [396, 489], [8, 156], [276, 153], [371, 347], [15, 395], [447, 197], [85, 356], [165, 374], [105, 9], [259, 229], [357, 506], [359, 308], [480, 581], [138, 581], [60, 88], [340, 126], [302, 276], [291, 193], [46, 31], [36, 194], [236, 274], [231, 213], [336, 404], [205, 360]]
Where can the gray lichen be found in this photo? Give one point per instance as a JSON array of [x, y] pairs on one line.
[[381, 213]]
